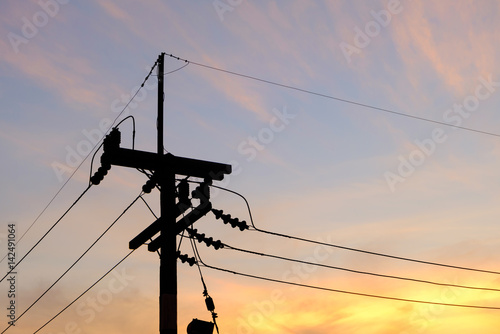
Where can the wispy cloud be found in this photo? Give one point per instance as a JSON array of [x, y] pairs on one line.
[[68, 77], [434, 35]]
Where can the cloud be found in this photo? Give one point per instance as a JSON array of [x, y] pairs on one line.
[[116, 12], [18, 140], [432, 34], [70, 78]]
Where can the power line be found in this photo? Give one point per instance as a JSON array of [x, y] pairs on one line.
[[177, 69], [154, 215], [349, 292], [149, 207], [46, 233], [84, 292], [364, 105], [86, 157], [210, 304], [357, 271], [74, 263], [43, 211], [353, 249], [379, 254]]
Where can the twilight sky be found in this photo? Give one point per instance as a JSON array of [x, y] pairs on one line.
[[310, 164]]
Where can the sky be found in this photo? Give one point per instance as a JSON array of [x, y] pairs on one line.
[[365, 124]]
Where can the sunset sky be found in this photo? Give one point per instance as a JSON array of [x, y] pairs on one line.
[[327, 155]]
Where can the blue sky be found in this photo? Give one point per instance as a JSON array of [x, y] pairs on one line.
[[327, 170]]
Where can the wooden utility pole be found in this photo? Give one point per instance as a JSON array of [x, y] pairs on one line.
[[163, 169], [168, 249]]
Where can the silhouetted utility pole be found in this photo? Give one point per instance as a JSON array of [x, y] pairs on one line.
[[174, 201], [168, 258]]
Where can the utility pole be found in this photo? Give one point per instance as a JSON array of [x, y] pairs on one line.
[[164, 168], [168, 257]]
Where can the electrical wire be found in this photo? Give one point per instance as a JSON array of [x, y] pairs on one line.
[[182, 238], [379, 254], [205, 290], [43, 211], [178, 69], [364, 105], [348, 292], [353, 249], [149, 175], [92, 162], [133, 128], [259, 230], [357, 271], [84, 292], [74, 263], [242, 197], [183, 231], [147, 205], [81, 163], [197, 257], [152, 212], [46, 233]]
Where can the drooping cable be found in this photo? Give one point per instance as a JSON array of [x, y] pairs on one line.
[[92, 162], [355, 249], [46, 233], [348, 292], [133, 128], [177, 69], [154, 215], [379, 254], [357, 271], [149, 207], [180, 240], [74, 263], [84, 292], [208, 300], [43, 210], [364, 105]]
